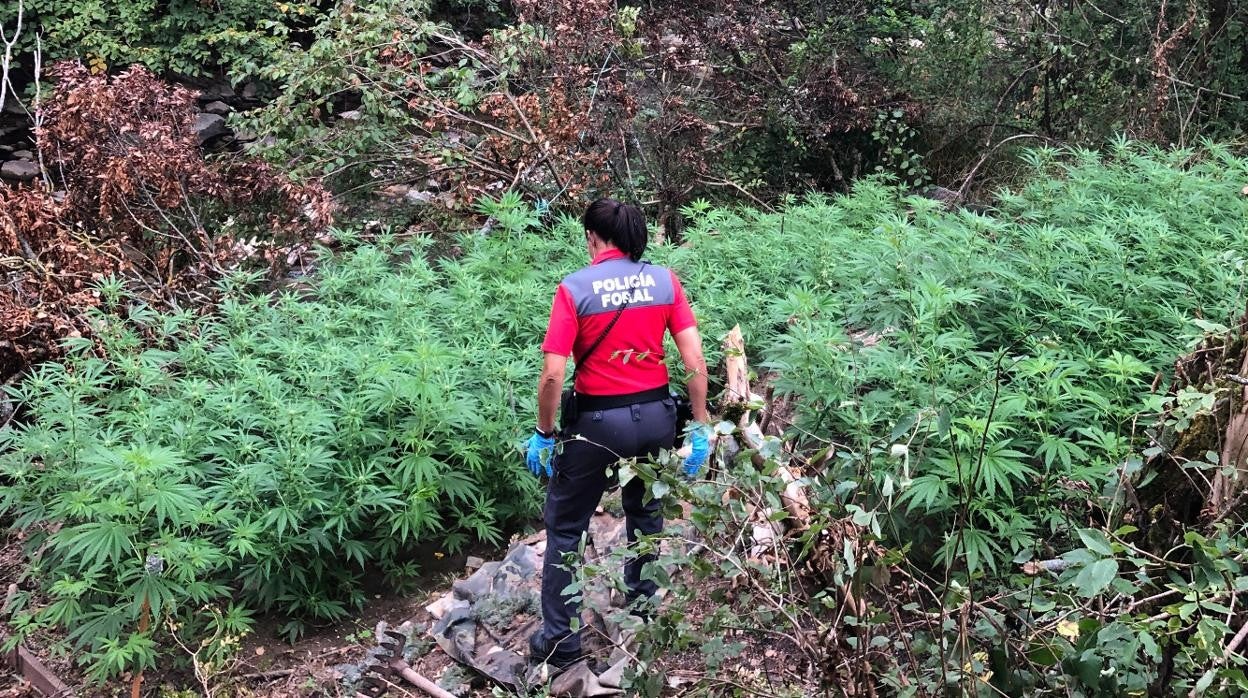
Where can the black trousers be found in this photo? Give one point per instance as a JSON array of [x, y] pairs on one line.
[[580, 478]]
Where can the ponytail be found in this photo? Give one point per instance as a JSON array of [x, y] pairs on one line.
[[620, 224]]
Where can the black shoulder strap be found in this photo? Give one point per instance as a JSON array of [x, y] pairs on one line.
[[605, 331], [598, 341]]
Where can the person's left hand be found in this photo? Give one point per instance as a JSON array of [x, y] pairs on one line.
[[538, 453], [699, 449]]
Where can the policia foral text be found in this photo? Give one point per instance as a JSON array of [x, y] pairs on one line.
[[617, 308]]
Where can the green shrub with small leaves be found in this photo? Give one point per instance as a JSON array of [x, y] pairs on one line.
[[183, 37]]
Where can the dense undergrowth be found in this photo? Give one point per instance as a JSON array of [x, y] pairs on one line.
[[997, 471], [1034, 333], [977, 377]]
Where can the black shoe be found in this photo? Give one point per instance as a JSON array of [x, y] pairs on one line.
[[556, 656]]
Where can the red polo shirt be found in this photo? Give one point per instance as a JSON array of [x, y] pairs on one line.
[[630, 357]]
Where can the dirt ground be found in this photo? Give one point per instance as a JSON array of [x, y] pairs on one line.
[[11, 686], [309, 668]]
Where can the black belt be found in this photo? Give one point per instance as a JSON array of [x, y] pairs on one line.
[[592, 403]]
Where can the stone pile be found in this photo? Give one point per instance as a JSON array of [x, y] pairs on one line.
[[17, 157], [19, 161], [485, 621]]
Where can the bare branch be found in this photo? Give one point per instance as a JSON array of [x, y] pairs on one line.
[[6, 61]]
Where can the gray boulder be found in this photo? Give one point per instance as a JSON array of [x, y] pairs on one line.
[[209, 126], [213, 93], [19, 170], [419, 197], [218, 107], [23, 155]]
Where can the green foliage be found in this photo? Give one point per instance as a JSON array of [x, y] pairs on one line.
[[276, 452], [362, 55], [968, 386], [895, 138], [1009, 353], [185, 37], [979, 374], [1078, 71], [511, 214], [1104, 618]]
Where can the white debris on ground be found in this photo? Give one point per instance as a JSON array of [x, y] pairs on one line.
[[484, 622]]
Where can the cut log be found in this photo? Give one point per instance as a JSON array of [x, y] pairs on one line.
[[794, 497], [737, 392], [765, 533], [1228, 483], [1175, 496]]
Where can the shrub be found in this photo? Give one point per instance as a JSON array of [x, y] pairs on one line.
[[476, 117], [32, 240], [142, 178], [138, 199], [192, 39]]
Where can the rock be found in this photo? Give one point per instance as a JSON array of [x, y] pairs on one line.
[[209, 126], [614, 677], [249, 90], [353, 115], [12, 106], [445, 605], [672, 42], [473, 562], [394, 191], [941, 194], [419, 197], [23, 155], [579, 680], [19, 170], [252, 144], [218, 107], [478, 585], [214, 93]]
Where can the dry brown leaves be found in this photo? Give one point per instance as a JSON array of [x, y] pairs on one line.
[[137, 198], [47, 276]]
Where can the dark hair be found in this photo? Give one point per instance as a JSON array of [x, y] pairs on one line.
[[620, 224]]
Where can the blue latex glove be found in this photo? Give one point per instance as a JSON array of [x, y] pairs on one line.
[[700, 449], [538, 453]]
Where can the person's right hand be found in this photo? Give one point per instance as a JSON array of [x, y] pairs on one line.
[[538, 453], [700, 449]]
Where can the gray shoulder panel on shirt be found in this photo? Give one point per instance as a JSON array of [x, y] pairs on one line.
[[604, 287]]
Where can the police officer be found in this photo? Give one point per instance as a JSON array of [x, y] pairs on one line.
[[611, 318]]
